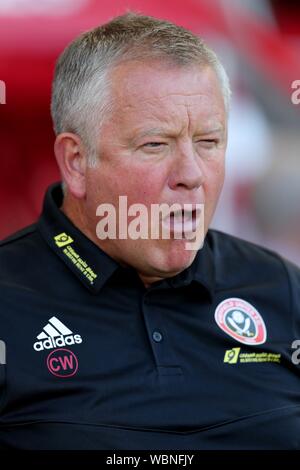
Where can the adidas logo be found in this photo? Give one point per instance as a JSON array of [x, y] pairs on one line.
[[55, 334]]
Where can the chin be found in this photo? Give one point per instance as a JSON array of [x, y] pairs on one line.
[[174, 258]]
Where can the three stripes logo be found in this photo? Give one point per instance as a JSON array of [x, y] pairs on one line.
[[55, 334]]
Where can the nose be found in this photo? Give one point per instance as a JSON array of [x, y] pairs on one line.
[[187, 170]]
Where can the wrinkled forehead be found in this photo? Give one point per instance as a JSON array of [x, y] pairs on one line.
[[133, 80], [157, 91]]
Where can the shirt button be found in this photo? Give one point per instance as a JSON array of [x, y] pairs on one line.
[[157, 336]]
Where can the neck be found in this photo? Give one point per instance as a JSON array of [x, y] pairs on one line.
[[74, 210]]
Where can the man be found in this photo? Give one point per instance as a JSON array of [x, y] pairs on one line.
[[126, 342]]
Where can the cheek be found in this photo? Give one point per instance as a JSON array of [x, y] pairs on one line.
[[214, 182], [141, 184]]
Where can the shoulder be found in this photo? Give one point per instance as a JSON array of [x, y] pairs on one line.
[[17, 236], [18, 241], [20, 253], [225, 245], [239, 259]]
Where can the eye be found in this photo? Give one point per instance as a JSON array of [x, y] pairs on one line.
[[208, 143], [153, 147], [153, 144]]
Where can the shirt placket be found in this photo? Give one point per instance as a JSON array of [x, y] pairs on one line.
[[166, 362]]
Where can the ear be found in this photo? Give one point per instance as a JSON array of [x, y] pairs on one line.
[[72, 161]]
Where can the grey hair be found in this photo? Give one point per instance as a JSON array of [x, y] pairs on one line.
[[81, 87]]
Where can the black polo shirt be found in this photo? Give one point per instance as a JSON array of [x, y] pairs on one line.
[[94, 360]]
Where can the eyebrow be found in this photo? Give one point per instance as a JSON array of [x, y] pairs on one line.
[[153, 131], [161, 130], [212, 131]]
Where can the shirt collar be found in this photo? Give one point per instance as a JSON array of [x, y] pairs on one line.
[[86, 260], [92, 266], [202, 270]]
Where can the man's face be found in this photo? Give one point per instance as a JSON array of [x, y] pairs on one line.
[[164, 142]]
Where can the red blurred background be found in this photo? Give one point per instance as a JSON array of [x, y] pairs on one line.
[[259, 43]]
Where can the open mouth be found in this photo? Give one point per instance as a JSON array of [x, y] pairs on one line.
[[182, 221]]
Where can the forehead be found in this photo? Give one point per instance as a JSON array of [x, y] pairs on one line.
[[154, 91]]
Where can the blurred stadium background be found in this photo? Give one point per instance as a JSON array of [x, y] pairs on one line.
[[259, 44]]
